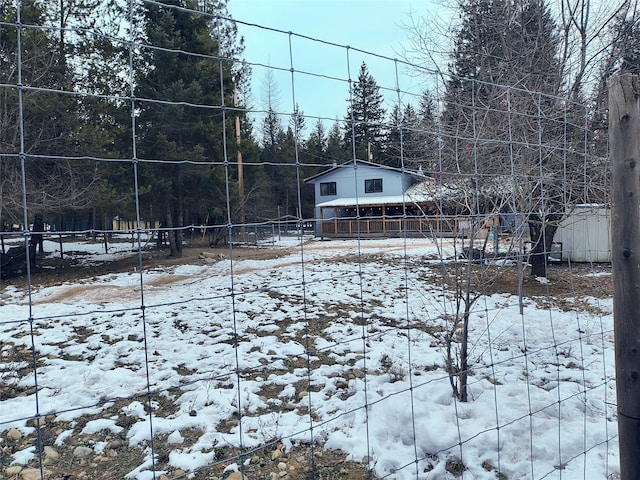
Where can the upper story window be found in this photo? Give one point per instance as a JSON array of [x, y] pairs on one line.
[[328, 188], [373, 185]]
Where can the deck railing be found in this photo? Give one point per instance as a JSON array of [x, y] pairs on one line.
[[377, 226]]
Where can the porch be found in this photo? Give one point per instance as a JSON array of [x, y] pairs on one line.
[[388, 226]]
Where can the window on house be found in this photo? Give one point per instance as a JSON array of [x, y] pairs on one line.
[[373, 185], [328, 188]]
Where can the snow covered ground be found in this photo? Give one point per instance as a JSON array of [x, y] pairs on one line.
[[336, 343]]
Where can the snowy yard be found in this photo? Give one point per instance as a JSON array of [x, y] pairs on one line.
[[339, 345]]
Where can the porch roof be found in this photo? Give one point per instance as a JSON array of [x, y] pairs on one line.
[[418, 193], [377, 201]]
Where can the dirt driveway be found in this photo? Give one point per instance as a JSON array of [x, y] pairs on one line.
[[54, 270]]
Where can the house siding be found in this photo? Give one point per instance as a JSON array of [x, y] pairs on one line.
[[350, 182]]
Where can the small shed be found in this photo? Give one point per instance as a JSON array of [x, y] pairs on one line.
[[584, 235]]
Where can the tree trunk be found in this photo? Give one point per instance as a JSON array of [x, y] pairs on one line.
[[542, 231], [179, 235], [173, 249], [464, 356]]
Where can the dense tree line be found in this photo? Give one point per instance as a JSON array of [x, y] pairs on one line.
[[95, 112], [154, 98]]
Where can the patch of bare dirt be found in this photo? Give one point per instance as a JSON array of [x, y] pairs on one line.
[[563, 280], [56, 271], [78, 459], [577, 279]]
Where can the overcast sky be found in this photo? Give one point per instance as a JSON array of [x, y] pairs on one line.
[[374, 26]]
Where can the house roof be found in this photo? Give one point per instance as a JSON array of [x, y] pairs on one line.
[[349, 164]]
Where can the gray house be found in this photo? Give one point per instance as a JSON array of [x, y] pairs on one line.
[[361, 198]]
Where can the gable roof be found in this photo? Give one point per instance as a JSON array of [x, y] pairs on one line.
[[350, 163]]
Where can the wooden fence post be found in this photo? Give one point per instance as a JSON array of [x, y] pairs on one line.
[[624, 145]]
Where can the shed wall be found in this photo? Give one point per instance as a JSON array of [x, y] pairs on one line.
[[585, 234]]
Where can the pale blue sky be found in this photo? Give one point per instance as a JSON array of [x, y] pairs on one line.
[[372, 25]]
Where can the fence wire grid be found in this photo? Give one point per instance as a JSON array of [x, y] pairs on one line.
[[299, 335]]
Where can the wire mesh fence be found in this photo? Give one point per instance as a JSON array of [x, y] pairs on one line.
[[440, 311]]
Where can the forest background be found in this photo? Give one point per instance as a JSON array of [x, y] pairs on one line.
[[112, 109]]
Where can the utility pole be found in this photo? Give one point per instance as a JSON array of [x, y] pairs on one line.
[[624, 157], [240, 171]]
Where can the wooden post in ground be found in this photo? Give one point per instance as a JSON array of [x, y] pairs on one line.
[[243, 233], [624, 141], [60, 235]]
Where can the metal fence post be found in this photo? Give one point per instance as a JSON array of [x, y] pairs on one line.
[[624, 145]]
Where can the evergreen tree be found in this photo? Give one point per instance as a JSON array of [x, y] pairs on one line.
[[257, 188], [364, 122], [103, 124], [278, 155], [312, 155], [427, 134], [396, 146], [627, 51], [336, 151], [622, 57], [489, 130], [54, 125], [272, 139], [316, 145], [272, 134], [500, 43], [168, 79], [297, 123], [407, 141], [289, 174]]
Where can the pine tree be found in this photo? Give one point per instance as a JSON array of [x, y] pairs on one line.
[[54, 125], [316, 145], [406, 143], [488, 127], [336, 151], [623, 56], [297, 122], [396, 147], [173, 132], [364, 122], [311, 156], [279, 157], [628, 50], [427, 134], [102, 124], [272, 138], [288, 175]]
